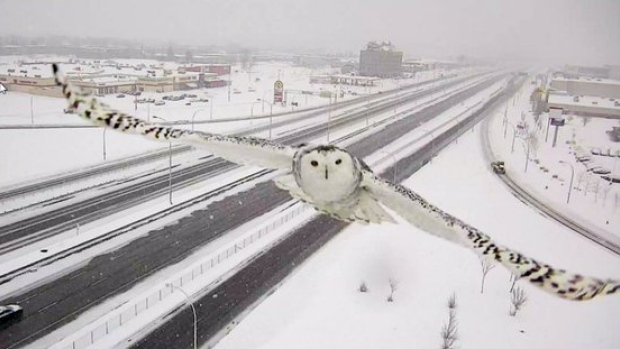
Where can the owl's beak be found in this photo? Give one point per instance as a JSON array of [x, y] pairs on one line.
[[326, 174]]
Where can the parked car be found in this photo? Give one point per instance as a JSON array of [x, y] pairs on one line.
[[160, 103], [498, 167], [150, 100], [68, 110], [120, 95], [10, 313]]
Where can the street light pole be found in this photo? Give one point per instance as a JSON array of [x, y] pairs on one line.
[[169, 164], [263, 99], [104, 153], [514, 135], [527, 155], [191, 304], [329, 116], [393, 166], [252, 109], [432, 144], [194, 115], [572, 175], [31, 110]]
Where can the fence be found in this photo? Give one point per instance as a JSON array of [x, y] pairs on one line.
[[130, 311]]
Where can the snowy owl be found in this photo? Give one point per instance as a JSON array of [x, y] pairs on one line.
[[339, 184]]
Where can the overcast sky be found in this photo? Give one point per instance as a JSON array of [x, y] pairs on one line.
[[571, 31]]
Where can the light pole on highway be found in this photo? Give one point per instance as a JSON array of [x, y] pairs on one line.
[[393, 166], [169, 164], [31, 110], [572, 175], [191, 304], [514, 135], [104, 153], [432, 143], [329, 116], [252, 108], [527, 155], [263, 99], [270, 119], [194, 115]]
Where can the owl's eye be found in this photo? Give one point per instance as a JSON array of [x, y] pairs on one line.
[[338, 162], [314, 163]]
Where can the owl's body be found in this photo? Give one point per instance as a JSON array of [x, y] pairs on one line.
[[330, 179], [338, 184]]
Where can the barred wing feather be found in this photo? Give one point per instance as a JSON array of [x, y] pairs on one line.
[[241, 150], [419, 212]]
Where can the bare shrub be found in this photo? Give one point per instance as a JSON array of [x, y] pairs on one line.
[[363, 288], [393, 287], [513, 280], [486, 266], [518, 299], [449, 332]]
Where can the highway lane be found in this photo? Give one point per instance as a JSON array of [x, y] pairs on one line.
[[49, 306], [17, 234], [218, 308], [20, 233]]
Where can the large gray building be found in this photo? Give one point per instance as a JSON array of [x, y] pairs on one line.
[[380, 59]]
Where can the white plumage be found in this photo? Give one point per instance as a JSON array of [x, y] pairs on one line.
[[337, 183]]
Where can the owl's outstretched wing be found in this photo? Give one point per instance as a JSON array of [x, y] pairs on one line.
[[419, 212], [241, 150]]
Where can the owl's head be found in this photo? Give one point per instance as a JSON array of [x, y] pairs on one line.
[[326, 172]]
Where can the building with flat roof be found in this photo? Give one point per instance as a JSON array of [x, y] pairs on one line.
[[343, 79], [589, 106], [380, 59], [599, 87], [585, 96]]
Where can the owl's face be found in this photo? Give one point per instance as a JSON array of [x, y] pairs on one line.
[[326, 173]]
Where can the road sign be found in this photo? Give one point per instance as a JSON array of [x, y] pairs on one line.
[[557, 122], [556, 113], [278, 91]]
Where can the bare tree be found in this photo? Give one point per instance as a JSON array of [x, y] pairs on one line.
[[449, 332], [486, 266], [513, 280], [517, 298], [393, 287]]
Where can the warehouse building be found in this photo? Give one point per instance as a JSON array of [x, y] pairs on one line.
[[380, 59]]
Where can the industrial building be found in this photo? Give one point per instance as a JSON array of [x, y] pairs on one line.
[[585, 96], [381, 60]]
